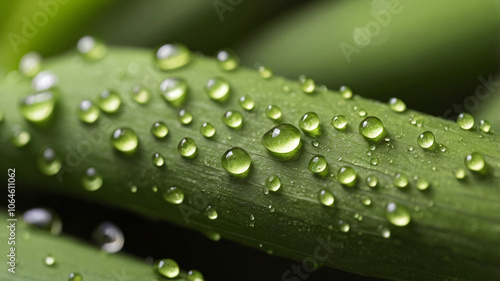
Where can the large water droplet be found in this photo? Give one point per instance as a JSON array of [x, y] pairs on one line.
[[172, 56], [426, 140], [109, 101], [273, 112], [218, 89], [44, 81], [187, 148], [273, 183], [90, 48], [372, 128], [173, 195], [397, 214], [246, 102], [347, 176], [282, 141], [475, 162], [168, 268], [318, 164], [339, 122], [326, 197], [109, 237], [43, 219], [159, 130], [124, 139], [465, 121], [233, 119], [397, 105], [91, 179], [38, 107], [30, 64], [207, 130], [48, 162], [228, 60], [88, 112], [174, 90], [309, 123], [236, 161]]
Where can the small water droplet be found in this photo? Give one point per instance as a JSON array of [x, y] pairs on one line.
[[109, 237], [282, 141], [75, 276], [185, 117], [48, 163], [207, 130], [187, 148], [347, 176], [339, 122], [310, 124], [345, 92], [90, 48], [397, 214], [374, 161], [173, 195], [315, 143], [372, 128], [233, 119], [43, 219], [384, 231], [91, 179], [158, 159], [307, 84], [44, 81], [397, 105], [194, 275], [172, 56], [211, 213], [30, 64], [465, 121], [159, 130], [174, 91], [401, 180], [167, 268], [88, 112], [318, 164], [426, 140], [140, 95], [124, 139], [459, 173], [365, 200], [422, 184], [20, 137], [228, 60], [38, 107], [109, 101], [265, 72], [49, 260], [326, 197], [218, 89], [475, 162], [362, 112], [273, 183], [273, 112], [344, 226], [372, 181], [236, 161], [246, 102], [484, 126]]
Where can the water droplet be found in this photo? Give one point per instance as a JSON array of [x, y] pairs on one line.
[[133, 189], [207, 130], [339, 122], [401, 180], [228, 60], [265, 72], [307, 84], [236, 161], [426, 140], [159, 130], [318, 164], [211, 213], [90, 48], [460, 173], [315, 143], [273, 112], [218, 89], [158, 160], [140, 95], [168, 268], [185, 117], [187, 148], [91, 179], [422, 184], [309, 123], [465, 121], [75, 276], [347, 176], [88, 112], [173, 195], [384, 231], [282, 141], [49, 260], [233, 119], [194, 275], [344, 226], [43, 219], [345, 92], [109, 101], [174, 91], [362, 112], [397, 214], [273, 183], [365, 200], [484, 126], [30, 64], [374, 161], [372, 181], [48, 163], [326, 197], [109, 237], [372, 128], [124, 139], [475, 162], [44, 81], [172, 56], [246, 102], [397, 105], [20, 137], [38, 107]]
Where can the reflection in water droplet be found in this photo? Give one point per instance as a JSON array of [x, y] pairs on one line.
[[109, 237]]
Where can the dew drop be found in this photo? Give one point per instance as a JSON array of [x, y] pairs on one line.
[[372, 128], [484, 126], [422, 184], [49, 260], [211, 213], [273, 112], [307, 84], [459, 173], [246, 102], [475, 162], [30, 64], [168, 268], [140, 95], [207, 130], [365, 200], [326, 197], [75, 276], [426, 140], [397, 214], [48, 163], [233, 119], [227, 59], [173, 195], [345, 92], [90, 48], [344, 226], [109, 101], [187, 148], [401, 180], [282, 140], [318, 164], [38, 107], [43, 219], [20, 138], [236, 161], [174, 91], [44, 81], [88, 112], [384, 231], [339, 122], [315, 143], [194, 275], [172, 56], [218, 89], [372, 181], [347, 176], [109, 237], [309, 123], [158, 159], [124, 139], [374, 161], [265, 72], [362, 112], [159, 130], [91, 179], [273, 183], [397, 105], [465, 121], [185, 117]]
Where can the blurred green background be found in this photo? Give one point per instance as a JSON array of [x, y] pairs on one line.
[[440, 57]]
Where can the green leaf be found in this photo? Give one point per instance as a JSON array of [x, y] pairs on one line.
[[454, 226]]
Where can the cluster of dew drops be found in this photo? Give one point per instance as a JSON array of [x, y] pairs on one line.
[[282, 141]]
